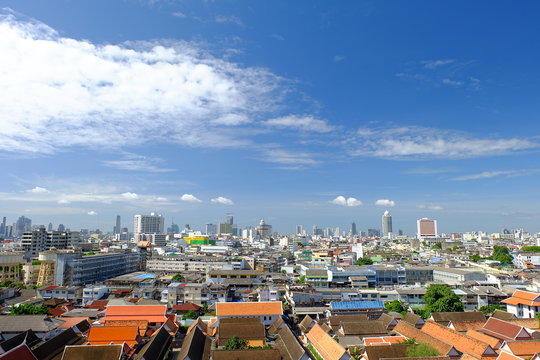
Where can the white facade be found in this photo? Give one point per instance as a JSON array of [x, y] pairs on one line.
[[149, 224], [92, 293]]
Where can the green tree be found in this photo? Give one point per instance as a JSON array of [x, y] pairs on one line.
[[502, 255], [410, 341], [28, 309], [236, 343], [394, 305], [440, 298], [437, 246], [488, 310], [476, 258], [177, 277], [302, 279], [535, 249], [364, 261], [421, 350], [190, 315]]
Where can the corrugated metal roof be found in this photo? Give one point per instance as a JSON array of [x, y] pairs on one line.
[[349, 305]]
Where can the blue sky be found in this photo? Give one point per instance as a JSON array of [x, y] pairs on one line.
[[304, 112]]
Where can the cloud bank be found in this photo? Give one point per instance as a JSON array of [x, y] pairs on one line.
[[342, 201]]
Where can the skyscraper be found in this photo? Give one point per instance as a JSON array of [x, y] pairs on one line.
[[211, 229], [117, 227], [3, 227], [149, 224], [61, 227], [353, 229], [426, 228], [299, 229], [49, 228], [230, 219], [23, 224], [387, 224]]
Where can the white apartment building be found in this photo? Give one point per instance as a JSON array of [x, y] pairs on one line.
[[149, 224], [40, 239]]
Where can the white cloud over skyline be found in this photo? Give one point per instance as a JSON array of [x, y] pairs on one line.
[[302, 123], [384, 202], [190, 198], [222, 200], [343, 201]]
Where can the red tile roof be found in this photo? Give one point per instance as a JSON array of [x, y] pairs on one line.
[[504, 330], [186, 307], [98, 304], [324, 344], [522, 348], [152, 313]]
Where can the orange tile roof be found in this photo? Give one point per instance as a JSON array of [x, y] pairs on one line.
[[324, 344], [151, 313], [523, 348], [490, 340], [249, 308], [505, 330], [507, 356], [383, 340], [70, 322], [463, 326], [461, 342], [523, 297], [141, 324], [139, 310], [411, 332], [101, 335]]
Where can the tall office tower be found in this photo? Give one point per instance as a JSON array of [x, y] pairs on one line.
[[426, 228], [225, 228], [3, 227], [387, 224], [353, 229], [230, 219], [373, 233], [299, 229], [23, 224], [149, 224], [211, 229], [61, 227], [337, 232], [49, 228], [117, 227]]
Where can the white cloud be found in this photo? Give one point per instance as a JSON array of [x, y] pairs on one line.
[[302, 123], [190, 198], [130, 196], [64, 201], [92, 213], [38, 190], [421, 142], [222, 200], [339, 58], [59, 93], [452, 82], [341, 200], [229, 19], [134, 162], [492, 174], [281, 156], [430, 207], [384, 202], [432, 64], [178, 14]]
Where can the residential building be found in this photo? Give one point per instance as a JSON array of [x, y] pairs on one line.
[[266, 312], [10, 266], [523, 304], [40, 239]]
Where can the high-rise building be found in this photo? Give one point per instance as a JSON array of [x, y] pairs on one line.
[[211, 229], [3, 227], [353, 229], [49, 228], [426, 228], [41, 240], [225, 228], [230, 219], [61, 227], [264, 230], [174, 228], [117, 227], [387, 224], [373, 233], [149, 224], [299, 230], [23, 224]]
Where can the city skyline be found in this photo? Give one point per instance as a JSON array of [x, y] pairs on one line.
[[351, 111]]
